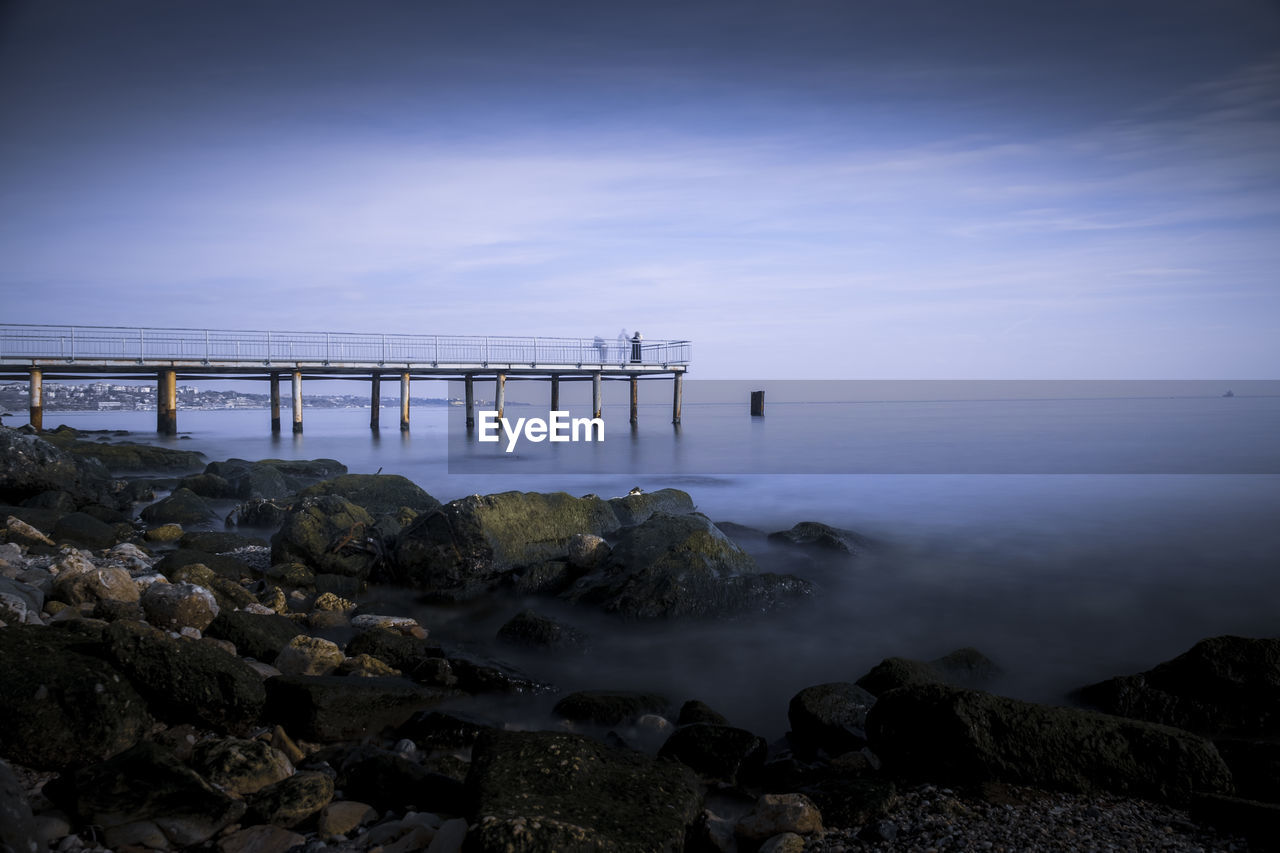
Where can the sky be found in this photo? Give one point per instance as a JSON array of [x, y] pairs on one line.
[[860, 189]]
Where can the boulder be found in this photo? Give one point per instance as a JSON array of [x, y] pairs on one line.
[[257, 635], [56, 500], [638, 508], [227, 567], [174, 606], [260, 512], [246, 480], [962, 668], [83, 529], [586, 551], [328, 534], [378, 493], [695, 711], [530, 630], [388, 781], [143, 792], [822, 538], [20, 602], [182, 506], [17, 824], [718, 753], [241, 767], [777, 814], [86, 584], [831, 717], [681, 565], [305, 655], [21, 532], [949, 734], [331, 708], [129, 457], [468, 545], [542, 791], [218, 541], [208, 486], [418, 659], [609, 708], [263, 838], [293, 799], [186, 681], [1222, 685], [30, 466]]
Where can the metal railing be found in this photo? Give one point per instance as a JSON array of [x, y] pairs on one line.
[[116, 343]]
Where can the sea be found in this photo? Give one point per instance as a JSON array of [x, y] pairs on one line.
[[1069, 539]]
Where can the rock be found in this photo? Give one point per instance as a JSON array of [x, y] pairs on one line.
[[831, 717], [80, 528], [468, 545], [173, 606], [208, 486], [30, 466], [400, 624], [609, 708], [17, 825], [328, 534], [17, 530], [445, 730], [1255, 766], [342, 817], [1256, 821], [329, 601], [132, 557], [259, 636], [182, 506], [218, 541], [291, 574], [816, 536], [56, 500], [292, 800], [146, 784], [76, 584], [787, 842], [586, 550], [305, 655], [639, 508], [718, 753], [695, 711], [543, 791], [389, 781], [450, 838], [418, 659], [550, 577], [259, 512], [366, 666], [221, 565], [331, 708], [264, 838], [951, 734], [849, 800], [1221, 686], [681, 565], [126, 456], [377, 493], [241, 767], [164, 533], [247, 480], [186, 681], [20, 602], [478, 676], [776, 814], [529, 630]]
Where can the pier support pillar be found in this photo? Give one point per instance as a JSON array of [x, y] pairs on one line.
[[757, 404], [404, 402], [500, 393], [375, 401], [275, 403], [635, 400], [596, 400], [555, 393], [35, 406], [297, 402], [469, 384], [167, 403], [677, 397]]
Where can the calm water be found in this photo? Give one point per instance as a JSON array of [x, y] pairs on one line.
[[1061, 578]]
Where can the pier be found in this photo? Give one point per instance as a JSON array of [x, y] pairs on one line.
[[37, 352]]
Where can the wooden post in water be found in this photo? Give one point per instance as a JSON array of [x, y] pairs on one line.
[[297, 402], [596, 400], [404, 401], [555, 393], [469, 384], [500, 393], [757, 404], [275, 402], [635, 400], [375, 401], [677, 397], [167, 403], [35, 405]]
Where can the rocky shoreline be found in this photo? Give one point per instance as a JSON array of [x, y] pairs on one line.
[[223, 669]]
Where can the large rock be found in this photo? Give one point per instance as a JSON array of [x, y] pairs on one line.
[[256, 635], [1222, 685], [186, 681], [718, 753], [85, 584], [134, 458], [183, 506], [965, 667], [831, 717], [81, 528], [274, 478], [145, 792], [227, 567], [377, 493], [329, 534], [17, 825], [531, 630], [30, 466], [241, 767], [539, 792], [681, 565], [174, 606], [609, 707], [333, 707], [386, 780], [468, 545], [20, 602], [822, 538], [419, 659], [292, 800], [949, 734], [638, 508]]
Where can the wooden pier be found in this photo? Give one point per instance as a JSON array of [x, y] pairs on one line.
[[109, 352]]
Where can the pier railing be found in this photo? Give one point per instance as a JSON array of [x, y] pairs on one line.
[[114, 343]]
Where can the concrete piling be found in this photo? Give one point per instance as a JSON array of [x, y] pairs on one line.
[[275, 403], [469, 384], [404, 402], [35, 405], [297, 402], [635, 400], [596, 396], [677, 397], [375, 401], [500, 393], [167, 402]]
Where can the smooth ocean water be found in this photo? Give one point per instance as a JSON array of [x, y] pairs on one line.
[[1062, 579]]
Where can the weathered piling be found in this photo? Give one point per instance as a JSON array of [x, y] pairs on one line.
[[596, 396], [500, 394], [635, 400], [404, 402], [375, 401], [297, 402], [757, 404], [677, 397], [468, 383], [555, 393], [167, 402], [275, 402], [35, 405]]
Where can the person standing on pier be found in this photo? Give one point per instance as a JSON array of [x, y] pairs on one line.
[[635, 348]]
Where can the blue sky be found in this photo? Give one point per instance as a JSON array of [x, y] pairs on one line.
[[826, 189]]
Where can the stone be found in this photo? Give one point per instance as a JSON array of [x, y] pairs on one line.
[[146, 784], [718, 753], [305, 655], [329, 601], [218, 541], [467, 546], [386, 780], [182, 506], [950, 734], [681, 565], [80, 528], [545, 791], [550, 577], [609, 708], [20, 602], [208, 486], [292, 800], [831, 717], [444, 730], [131, 556], [261, 513], [173, 606], [342, 817], [366, 666], [695, 711], [450, 837], [530, 630], [22, 533], [328, 620], [264, 838], [419, 659], [329, 708], [61, 704], [125, 456], [86, 586], [962, 668], [376, 493], [328, 534], [787, 842], [639, 508], [17, 824], [259, 636], [164, 533], [241, 767], [399, 624], [222, 565], [823, 538], [775, 814], [480, 676], [586, 551], [30, 466]]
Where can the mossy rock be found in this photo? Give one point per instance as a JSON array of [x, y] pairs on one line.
[[208, 486], [609, 707], [260, 636], [82, 529], [330, 708], [965, 667], [639, 508], [218, 541], [227, 567], [137, 458], [377, 493], [182, 506], [328, 534]]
